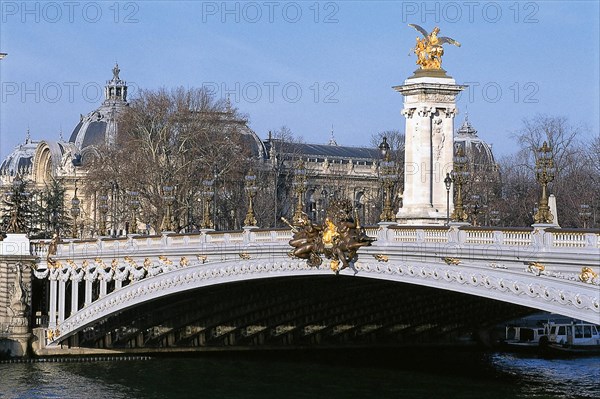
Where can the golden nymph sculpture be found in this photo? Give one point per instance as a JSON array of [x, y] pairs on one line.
[[429, 50]]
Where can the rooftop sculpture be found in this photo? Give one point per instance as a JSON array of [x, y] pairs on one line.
[[429, 50]]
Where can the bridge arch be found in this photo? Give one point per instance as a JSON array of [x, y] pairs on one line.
[[550, 282]]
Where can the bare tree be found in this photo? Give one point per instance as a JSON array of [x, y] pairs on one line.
[[519, 191], [575, 169], [169, 142]]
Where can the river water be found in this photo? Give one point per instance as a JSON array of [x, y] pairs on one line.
[[368, 373]]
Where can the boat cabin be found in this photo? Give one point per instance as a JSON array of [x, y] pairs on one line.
[[523, 334], [575, 334]]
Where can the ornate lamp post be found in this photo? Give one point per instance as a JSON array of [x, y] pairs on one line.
[[585, 214], [103, 208], [75, 211], [251, 190], [134, 205], [544, 173], [388, 178], [207, 194], [169, 198], [299, 185], [448, 184], [460, 175]]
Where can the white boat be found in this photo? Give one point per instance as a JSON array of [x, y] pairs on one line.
[[524, 338], [576, 337]]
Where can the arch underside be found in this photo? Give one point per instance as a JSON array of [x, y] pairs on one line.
[[296, 311]]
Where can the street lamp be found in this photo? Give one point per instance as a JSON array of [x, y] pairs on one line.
[[169, 198], [251, 190], [585, 214], [134, 205], [299, 185], [448, 183], [544, 173], [388, 178], [75, 211], [207, 194], [460, 174]]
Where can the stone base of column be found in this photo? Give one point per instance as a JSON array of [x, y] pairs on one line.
[[420, 216]]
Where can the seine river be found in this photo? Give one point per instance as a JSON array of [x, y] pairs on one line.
[[372, 373]]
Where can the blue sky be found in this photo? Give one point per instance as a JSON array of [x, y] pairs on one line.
[[307, 65]]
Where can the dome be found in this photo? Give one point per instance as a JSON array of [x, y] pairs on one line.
[[478, 152], [100, 126], [231, 122], [19, 161]]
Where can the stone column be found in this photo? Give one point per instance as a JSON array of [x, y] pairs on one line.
[[102, 288], [74, 295], [88, 292], [429, 109], [53, 302], [61, 299]]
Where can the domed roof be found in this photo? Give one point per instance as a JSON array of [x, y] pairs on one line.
[[19, 161], [100, 126], [229, 121], [478, 152]]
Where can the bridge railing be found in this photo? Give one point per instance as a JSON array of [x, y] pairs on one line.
[[135, 245], [548, 240]]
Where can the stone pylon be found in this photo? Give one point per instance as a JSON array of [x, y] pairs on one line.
[[429, 109], [16, 265]]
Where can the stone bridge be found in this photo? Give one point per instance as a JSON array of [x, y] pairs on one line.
[[412, 284]]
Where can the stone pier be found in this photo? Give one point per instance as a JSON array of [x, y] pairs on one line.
[[16, 265], [429, 109]]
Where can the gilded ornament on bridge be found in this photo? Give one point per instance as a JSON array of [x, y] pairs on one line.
[[337, 239], [51, 334], [429, 50], [165, 260], [451, 261], [381, 258], [535, 267], [245, 255], [587, 275], [202, 258]]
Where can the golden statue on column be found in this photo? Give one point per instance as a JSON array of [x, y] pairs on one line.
[[429, 50]]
